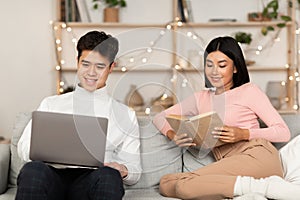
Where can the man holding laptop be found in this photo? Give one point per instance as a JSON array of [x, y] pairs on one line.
[[39, 180]]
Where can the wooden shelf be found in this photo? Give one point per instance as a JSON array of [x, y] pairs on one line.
[[109, 25], [265, 69], [250, 68], [232, 24], [195, 25]]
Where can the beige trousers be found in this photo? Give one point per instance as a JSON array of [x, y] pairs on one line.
[[257, 158]]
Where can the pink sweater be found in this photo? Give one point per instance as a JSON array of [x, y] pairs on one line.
[[239, 107]]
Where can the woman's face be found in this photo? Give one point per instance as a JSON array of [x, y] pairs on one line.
[[219, 71]]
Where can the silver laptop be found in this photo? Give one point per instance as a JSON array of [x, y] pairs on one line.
[[68, 139]]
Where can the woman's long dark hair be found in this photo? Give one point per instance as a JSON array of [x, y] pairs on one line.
[[232, 49]]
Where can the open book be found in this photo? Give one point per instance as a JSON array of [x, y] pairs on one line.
[[198, 127]]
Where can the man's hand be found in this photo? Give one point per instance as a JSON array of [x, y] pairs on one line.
[[121, 168], [230, 134], [181, 140]]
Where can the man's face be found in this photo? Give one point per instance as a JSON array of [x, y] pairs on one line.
[[93, 70]]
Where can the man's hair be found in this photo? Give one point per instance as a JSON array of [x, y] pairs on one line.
[[104, 44], [230, 47]]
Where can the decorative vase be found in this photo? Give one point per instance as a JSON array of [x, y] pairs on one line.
[[257, 17], [111, 14], [134, 99]]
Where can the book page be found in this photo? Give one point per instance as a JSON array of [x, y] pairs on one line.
[[205, 126]]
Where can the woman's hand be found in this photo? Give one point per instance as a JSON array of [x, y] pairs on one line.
[[181, 140], [230, 134]]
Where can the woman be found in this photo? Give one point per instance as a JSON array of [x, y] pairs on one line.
[[248, 151]]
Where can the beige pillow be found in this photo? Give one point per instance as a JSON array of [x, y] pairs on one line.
[[17, 163]]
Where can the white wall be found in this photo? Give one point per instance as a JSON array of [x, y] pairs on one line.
[[28, 60]]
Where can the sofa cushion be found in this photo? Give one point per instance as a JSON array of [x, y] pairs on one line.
[[292, 120], [9, 194], [16, 162], [4, 166], [289, 155], [145, 194], [159, 155], [192, 160]]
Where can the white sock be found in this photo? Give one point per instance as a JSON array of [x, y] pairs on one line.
[[251, 196], [273, 187], [247, 184], [281, 189]]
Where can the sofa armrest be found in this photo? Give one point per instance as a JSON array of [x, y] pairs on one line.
[[4, 166]]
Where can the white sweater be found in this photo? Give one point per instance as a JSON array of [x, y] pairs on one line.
[[123, 144]]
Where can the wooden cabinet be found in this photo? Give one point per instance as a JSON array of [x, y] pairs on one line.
[[172, 38]]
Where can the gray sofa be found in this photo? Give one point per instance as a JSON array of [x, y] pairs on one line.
[[159, 156]]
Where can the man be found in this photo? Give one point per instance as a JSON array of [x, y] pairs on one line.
[[37, 180]]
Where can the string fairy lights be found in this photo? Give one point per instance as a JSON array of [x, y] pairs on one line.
[[142, 56]]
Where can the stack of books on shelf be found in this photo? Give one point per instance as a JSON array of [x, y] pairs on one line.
[[79, 11]]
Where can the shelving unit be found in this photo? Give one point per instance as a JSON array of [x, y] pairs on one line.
[[291, 51]]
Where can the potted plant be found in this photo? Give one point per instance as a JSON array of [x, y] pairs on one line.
[[111, 10], [271, 11], [243, 37]]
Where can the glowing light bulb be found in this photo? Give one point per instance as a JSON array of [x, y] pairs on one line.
[[169, 27], [63, 25], [179, 23], [59, 48], [164, 96], [177, 66], [259, 47], [57, 67], [123, 69], [147, 111], [131, 60], [61, 83], [69, 29], [144, 60], [149, 50], [189, 34], [295, 107], [58, 41]]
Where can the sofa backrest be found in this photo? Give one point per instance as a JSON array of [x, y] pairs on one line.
[[16, 162], [293, 122], [159, 155]]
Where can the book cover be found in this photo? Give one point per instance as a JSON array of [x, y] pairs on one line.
[[198, 127], [83, 11]]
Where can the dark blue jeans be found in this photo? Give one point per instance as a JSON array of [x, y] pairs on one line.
[[40, 181]]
